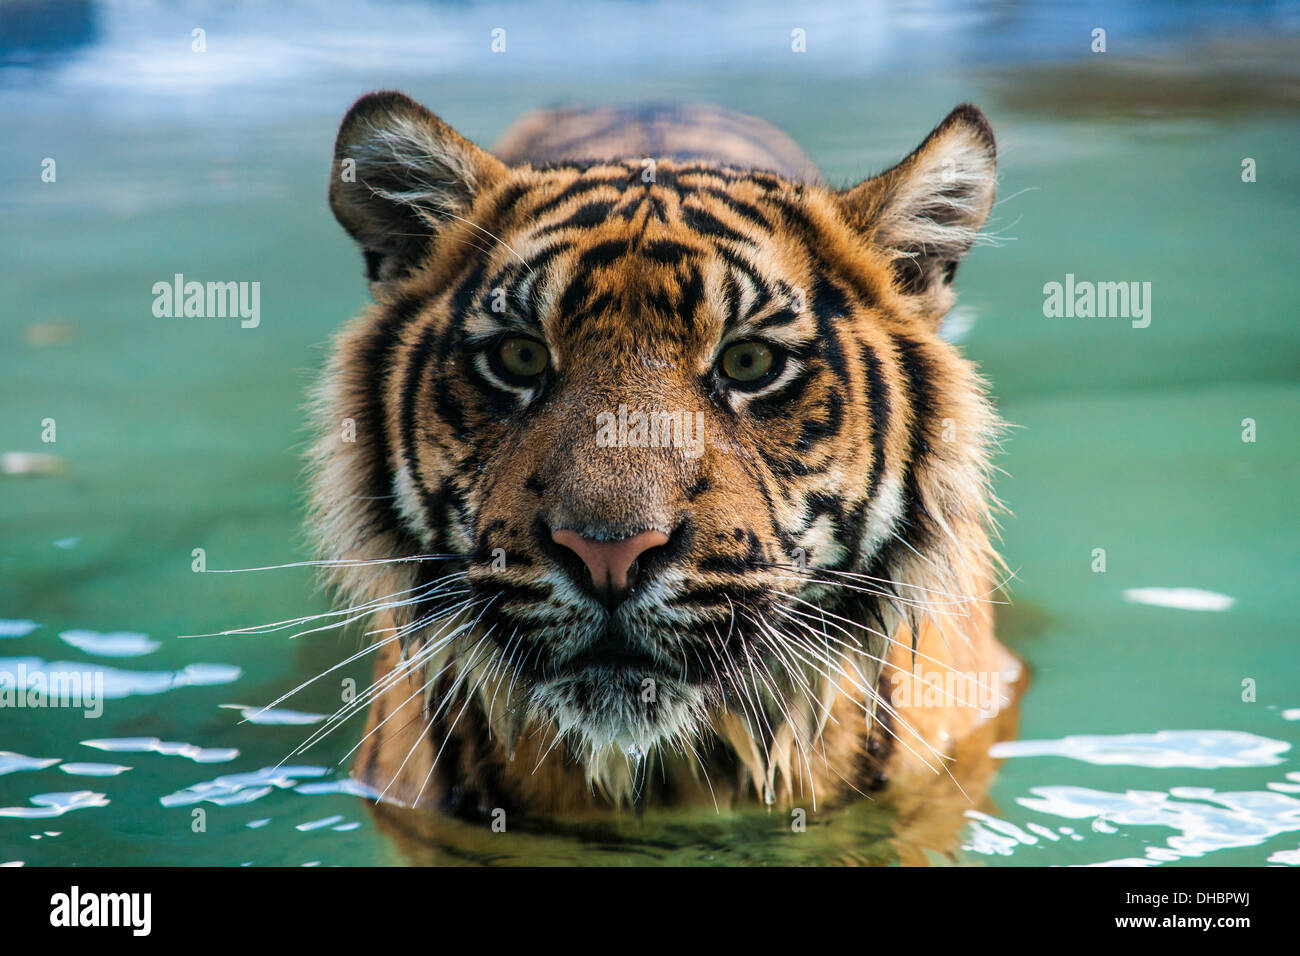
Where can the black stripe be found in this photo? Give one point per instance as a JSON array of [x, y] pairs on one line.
[[659, 301], [585, 216], [705, 223], [777, 404], [814, 431], [778, 318], [577, 188], [666, 251], [511, 592], [601, 254], [762, 294], [828, 304], [377, 363], [544, 258], [798, 223], [413, 376], [919, 374], [733, 299], [700, 486], [692, 294], [739, 207], [878, 407], [725, 563], [574, 295], [818, 504]]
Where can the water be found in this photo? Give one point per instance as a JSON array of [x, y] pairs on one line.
[[1135, 743]]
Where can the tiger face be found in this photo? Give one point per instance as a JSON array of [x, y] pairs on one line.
[[644, 442]]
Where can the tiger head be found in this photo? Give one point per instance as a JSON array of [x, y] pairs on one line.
[[643, 448]]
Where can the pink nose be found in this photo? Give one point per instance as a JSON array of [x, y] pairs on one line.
[[609, 561]]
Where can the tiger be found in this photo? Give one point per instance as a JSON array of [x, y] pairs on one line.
[[648, 466]]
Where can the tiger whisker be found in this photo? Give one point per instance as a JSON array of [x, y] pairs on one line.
[[872, 693], [469, 698], [311, 680], [428, 724], [342, 563], [375, 604], [416, 662], [932, 607], [352, 707], [880, 701], [884, 662], [494, 236], [858, 576], [886, 637], [794, 731]]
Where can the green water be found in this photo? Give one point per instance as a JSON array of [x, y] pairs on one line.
[[176, 434]]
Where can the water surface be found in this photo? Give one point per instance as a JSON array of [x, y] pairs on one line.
[[1138, 740]]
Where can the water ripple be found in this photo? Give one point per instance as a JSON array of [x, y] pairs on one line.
[[1182, 599], [344, 785], [319, 824], [45, 805], [126, 745], [238, 788], [1204, 749], [115, 644], [118, 684], [93, 769], [17, 628], [11, 762], [1203, 819], [274, 715], [1286, 857]]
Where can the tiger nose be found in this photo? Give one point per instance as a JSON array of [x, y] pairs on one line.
[[610, 562]]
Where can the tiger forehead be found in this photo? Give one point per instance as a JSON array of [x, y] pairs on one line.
[[657, 238], [550, 190]]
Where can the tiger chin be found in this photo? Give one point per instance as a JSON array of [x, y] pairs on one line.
[[648, 465]]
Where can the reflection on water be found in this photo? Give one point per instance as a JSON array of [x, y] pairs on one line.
[[274, 715], [93, 769], [35, 676], [183, 435], [11, 762], [1204, 819], [1186, 599], [121, 644], [44, 805], [241, 787], [127, 745], [1208, 749]]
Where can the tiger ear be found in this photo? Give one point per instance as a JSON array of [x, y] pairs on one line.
[[399, 174], [928, 210]]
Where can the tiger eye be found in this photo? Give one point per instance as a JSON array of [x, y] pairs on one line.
[[526, 358], [747, 361]]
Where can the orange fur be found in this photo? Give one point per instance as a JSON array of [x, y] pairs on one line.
[[829, 538]]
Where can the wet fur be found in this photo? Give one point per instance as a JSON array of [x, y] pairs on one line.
[[875, 467]]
